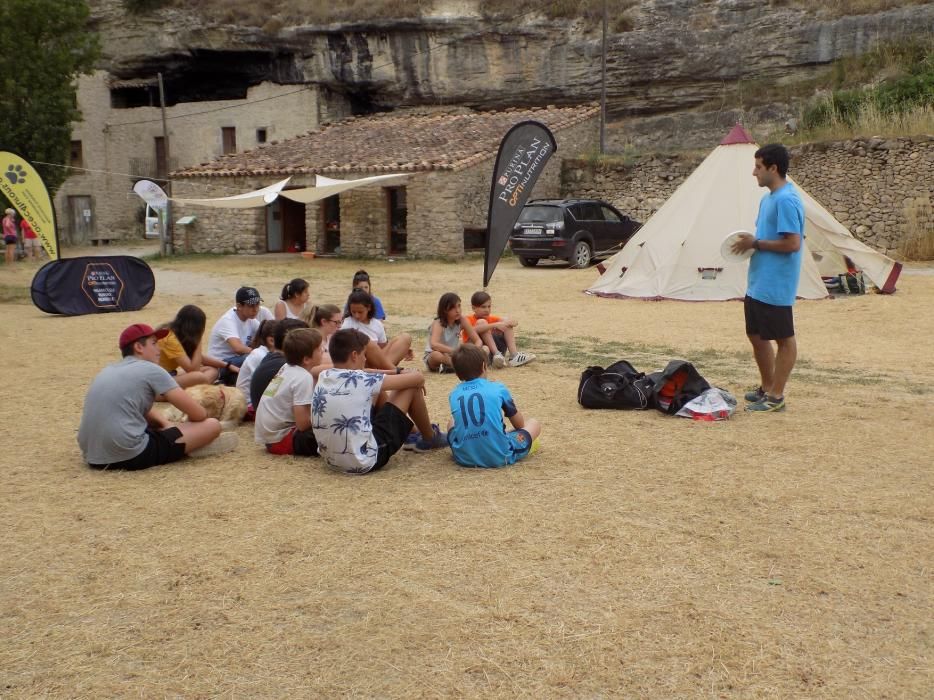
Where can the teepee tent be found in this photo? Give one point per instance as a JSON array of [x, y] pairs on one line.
[[676, 254]]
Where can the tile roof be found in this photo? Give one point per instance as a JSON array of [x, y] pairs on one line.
[[410, 141]]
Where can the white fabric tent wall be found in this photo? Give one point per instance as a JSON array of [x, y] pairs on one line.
[[676, 254]]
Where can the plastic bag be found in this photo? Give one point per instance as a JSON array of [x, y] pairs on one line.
[[713, 404]]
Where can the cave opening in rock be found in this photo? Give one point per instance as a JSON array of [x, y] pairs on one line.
[[204, 76]]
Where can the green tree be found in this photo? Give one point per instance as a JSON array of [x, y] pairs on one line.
[[44, 46]]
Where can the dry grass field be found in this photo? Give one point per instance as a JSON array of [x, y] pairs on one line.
[[635, 555]]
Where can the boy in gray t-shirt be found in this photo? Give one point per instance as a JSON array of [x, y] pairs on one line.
[[120, 429]]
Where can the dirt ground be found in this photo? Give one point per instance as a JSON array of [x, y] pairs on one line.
[[636, 555]]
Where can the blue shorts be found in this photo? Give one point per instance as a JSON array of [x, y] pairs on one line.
[[521, 441]]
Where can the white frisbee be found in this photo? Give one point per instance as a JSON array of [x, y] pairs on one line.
[[726, 248]]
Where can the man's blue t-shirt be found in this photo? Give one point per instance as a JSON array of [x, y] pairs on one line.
[[478, 438], [773, 277]]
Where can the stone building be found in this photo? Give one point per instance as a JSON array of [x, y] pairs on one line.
[[438, 209], [120, 140]]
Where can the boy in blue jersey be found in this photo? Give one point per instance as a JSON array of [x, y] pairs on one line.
[[774, 271], [477, 435]]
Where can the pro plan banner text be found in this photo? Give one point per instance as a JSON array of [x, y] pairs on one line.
[[22, 186], [93, 285], [525, 149]]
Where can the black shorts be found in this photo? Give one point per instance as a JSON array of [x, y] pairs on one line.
[[304, 443], [390, 428], [500, 339], [9, 240], [767, 321], [163, 447]]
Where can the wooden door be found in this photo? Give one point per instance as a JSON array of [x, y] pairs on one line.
[[80, 219]]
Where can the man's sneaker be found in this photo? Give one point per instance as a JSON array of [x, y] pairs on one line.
[[415, 436], [754, 395], [767, 405], [436, 441], [445, 369], [521, 358], [225, 442], [499, 361]]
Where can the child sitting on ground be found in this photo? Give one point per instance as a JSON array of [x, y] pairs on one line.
[[362, 318], [262, 343], [283, 417], [477, 435], [271, 364], [293, 301], [496, 332], [361, 280], [180, 349], [444, 334], [361, 418]]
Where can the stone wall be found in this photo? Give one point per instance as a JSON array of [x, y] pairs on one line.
[[868, 183], [865, 183], [220, 230]]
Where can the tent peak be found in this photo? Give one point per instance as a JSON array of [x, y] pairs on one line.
[[737, 135]]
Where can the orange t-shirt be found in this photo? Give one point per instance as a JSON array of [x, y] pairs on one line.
[[170, 349], [472, 319]]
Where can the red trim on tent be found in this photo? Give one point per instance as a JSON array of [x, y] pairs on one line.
[[889, 286], [737, 135]]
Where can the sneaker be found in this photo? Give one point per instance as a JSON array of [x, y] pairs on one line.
[[767, 405], [521, 358], [225, 442], [499, 361], [444, 369], [437, 440], [754, 395], [415, 436]]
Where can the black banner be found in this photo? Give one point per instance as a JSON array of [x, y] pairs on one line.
[[93, 285], [525, 149]]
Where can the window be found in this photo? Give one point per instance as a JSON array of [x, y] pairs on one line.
[[76, 155], [261, 135], [228, 139], [609, 214]]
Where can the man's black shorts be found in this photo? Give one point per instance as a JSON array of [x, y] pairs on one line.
[[162, 448], [390, 428], [767, 321]]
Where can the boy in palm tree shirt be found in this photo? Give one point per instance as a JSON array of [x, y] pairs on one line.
[[283, 416], [360, 419]]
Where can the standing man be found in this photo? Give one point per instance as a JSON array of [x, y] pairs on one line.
[[232, 334], [774, 271], [120, 429]]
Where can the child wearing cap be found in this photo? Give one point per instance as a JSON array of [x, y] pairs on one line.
[[120, 429], [233, 332]]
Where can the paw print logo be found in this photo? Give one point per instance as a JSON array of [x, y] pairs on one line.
[[15, 174]]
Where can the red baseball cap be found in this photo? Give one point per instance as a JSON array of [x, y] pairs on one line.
[[138, 331]]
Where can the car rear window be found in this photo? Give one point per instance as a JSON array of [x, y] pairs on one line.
[[540, 213]]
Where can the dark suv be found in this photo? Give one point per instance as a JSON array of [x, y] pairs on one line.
[[576, 230]]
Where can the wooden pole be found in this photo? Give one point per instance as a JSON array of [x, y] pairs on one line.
[[168, 228]]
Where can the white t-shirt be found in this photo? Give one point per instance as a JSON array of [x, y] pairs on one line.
[[230, 326], [373, 328], [265, 315], [246, 369], [292, 386], [340, 417]]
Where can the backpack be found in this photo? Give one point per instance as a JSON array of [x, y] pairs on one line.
[[619, 386], [676, 385]]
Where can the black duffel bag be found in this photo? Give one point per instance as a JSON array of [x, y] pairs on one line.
[[619, 386]]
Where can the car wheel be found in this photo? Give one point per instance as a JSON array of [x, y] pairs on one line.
[[582, 255], [528, 262]]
